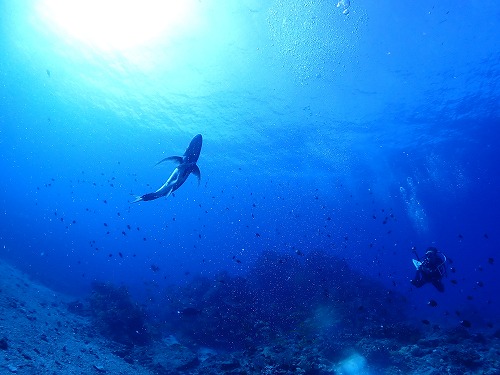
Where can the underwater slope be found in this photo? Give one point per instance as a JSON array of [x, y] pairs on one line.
[[46, 333], [40, 336]]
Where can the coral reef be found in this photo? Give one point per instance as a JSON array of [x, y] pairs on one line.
[[116, 316], [45, 333], [283, 294]]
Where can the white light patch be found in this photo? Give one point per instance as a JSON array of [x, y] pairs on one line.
[[112, 25]]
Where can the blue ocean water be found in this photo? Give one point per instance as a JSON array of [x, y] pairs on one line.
[[359, 130]]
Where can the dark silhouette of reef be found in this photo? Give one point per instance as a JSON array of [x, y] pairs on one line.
[[309, 314], [116, 316], [282, 295], [289, 312]]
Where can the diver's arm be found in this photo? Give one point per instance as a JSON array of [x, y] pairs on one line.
[[414, 250]]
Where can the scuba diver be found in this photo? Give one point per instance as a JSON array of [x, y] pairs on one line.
[[431, 269]]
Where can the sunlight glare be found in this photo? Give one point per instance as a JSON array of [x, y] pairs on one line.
[[112, 25]]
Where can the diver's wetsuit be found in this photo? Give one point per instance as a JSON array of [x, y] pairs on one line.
[[431, 270]]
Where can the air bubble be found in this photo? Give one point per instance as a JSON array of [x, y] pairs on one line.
[[344, 4]]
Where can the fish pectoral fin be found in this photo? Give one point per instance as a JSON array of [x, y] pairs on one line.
[[177, 159], [196, 172]]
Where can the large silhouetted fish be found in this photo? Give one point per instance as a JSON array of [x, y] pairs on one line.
[[186, 166]]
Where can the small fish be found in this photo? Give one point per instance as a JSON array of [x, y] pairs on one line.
[[465, 323], [426, 322], [491, 260], [189, 312], [155, 268], [480, 284], [432, 303], [299, 253]]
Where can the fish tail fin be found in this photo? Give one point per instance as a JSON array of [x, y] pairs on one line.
[[138, 198]]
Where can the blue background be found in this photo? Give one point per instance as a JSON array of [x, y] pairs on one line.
[[362, 134]]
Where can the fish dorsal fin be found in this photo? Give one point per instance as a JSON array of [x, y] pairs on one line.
[[196, 172], [176, 159]]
